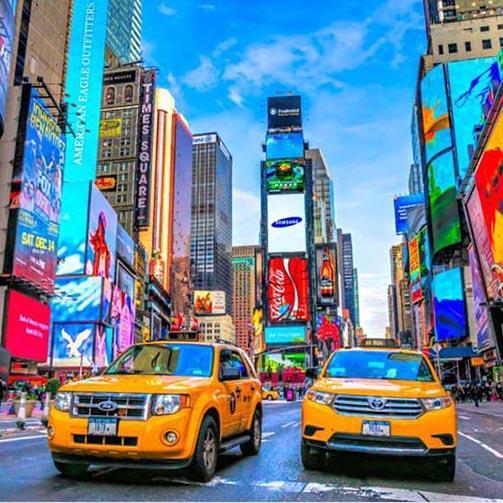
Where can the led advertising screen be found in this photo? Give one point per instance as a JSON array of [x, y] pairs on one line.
[[258, 331], [479, 302], [292, 334], [328, 329], [286, 223], [402, 205], [125, 246], [415, 270], [284, 146], [489, 182], [122, 318], [36, 194], [416, 219], [444, 210], [326, 275], [288, 289], [209, 302], [26, 333], [436, 124], [102, 237], [72, 344], [104, 352], [449, 305], [285, 175], [84, 79], [473, 84], [284, 113], [7, 26]]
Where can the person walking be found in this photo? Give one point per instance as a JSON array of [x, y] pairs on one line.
[[2, 391], [475, 393]]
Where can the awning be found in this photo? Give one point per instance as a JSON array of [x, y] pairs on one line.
[[457, 353]]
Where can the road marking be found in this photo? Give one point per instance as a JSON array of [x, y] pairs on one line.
[[484, 446], [287, 425], [267, 434], [17, 439], [464, 417]]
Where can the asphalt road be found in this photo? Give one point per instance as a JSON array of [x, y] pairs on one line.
[[27, 473]]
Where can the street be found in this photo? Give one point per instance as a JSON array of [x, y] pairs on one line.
[[27, 473]]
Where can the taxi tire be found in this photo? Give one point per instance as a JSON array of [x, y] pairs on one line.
[[251, 448], [71, 469], [444, 469], [198, 470], [310, 460]]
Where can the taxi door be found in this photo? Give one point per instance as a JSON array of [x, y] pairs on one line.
[[249, 387]]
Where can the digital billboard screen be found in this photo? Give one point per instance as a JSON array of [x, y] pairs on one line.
[[288, 289], [73, 344], [444, 209], [449, 305], [36, 193], [473, 84], [402, 205], [284, 146], [7, 27], [285, 175], [125, 246], [26, 333], [122, 318], [436, 124], [258, 331], [326, 275], [415, 270], [209, 302], [286, 223], [328, 330], [284, 113], [292, 334]]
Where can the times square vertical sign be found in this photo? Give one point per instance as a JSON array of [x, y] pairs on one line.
[[145, 133]]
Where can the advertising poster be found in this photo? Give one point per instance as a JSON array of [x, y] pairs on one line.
[[102, 237], [125, 246], [122, 319], [415, 270], [446, 228], [436, 125], [473, 84], [479, 301], [449, 305], [209, 302], [286, 223], [416, 219], [326, 275], [73, 343], [126, 282], [7, 27], [258, 331], [328, 331], [288, 290], [402, 205], [293, 334], [110, 128], [36, 194], [424, 258], [103, 346], [285, 175], [284, 113], [284, 146], [489, 182], [26, 332]]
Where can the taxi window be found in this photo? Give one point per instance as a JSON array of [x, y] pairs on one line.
[[231, 359]]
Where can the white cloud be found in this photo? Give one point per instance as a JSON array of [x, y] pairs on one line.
[[148, 49], [203, 77], [245, 224], [224, 46], [235, 97], [166, 10], [208, 7]]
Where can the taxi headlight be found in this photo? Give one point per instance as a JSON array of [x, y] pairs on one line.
[[169, 404], [438, 403], [63, 401], [320, 397]]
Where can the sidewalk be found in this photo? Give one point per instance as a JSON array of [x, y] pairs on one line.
[[485, 408]]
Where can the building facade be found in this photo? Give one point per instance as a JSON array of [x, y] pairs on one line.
[[124, 27], [345, 258], [416, 185], [214, 328]]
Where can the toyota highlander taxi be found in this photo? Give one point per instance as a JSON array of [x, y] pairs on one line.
[[379, 401]]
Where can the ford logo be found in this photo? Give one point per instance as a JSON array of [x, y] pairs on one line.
[[287, 222], [377, 403], [107, 406]]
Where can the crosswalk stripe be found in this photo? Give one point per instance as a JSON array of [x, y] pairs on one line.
[[484, 446]]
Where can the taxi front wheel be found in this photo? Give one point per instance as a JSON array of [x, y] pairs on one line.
[[444, 468], [312, 459], [204, 463], [252, 447], [71, 469]]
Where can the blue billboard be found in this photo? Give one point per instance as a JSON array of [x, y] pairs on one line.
[[83, 86], [284, 146], [125, 246], [73, 344], [7, 26], [292, 334], [402, 206]]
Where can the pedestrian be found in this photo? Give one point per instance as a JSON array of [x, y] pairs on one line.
[[2, 390], [475, 393]]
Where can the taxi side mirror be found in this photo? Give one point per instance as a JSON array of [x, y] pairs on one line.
[[229, 374], [313, 373]]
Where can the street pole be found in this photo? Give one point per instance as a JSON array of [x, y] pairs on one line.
[[80, 367]]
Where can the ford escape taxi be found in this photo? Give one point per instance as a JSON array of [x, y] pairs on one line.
[[163, 404], [379, 401]]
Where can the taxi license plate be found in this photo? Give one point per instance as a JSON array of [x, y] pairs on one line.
[[104, 426], [376, 428]]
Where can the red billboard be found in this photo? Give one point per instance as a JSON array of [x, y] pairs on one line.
[[288, 290], [27, 327]]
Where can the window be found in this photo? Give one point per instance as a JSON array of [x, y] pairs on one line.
[[468, 46], [501, 41], [484, 28], [500, 27], [110, 95], [128, 93], [452, 48], [440, 49], [486, 44], [231, 359]]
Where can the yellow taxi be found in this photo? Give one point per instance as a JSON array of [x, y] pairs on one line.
[[270, 394], [159, 405], [379, 401]]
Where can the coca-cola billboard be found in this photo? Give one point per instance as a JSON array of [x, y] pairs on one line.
[[288, 290]]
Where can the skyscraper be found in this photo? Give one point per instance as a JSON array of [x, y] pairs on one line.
[[416, 184], [345, 258], [124, 25], [211, 236], [357, 298]]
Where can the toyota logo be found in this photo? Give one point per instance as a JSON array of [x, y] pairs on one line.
[[377, 403], [108, 406]]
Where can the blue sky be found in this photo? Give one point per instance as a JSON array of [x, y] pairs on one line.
[[354, 65]]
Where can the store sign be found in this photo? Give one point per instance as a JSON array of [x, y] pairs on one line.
[[120, 77], [106, 183], [204, 139], [145, 128]]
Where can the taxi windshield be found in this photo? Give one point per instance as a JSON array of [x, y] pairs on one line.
[[392, 365], [188, 360]]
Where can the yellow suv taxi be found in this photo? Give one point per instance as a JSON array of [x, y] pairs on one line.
[[380, 401], [159, 405], [270, 394]]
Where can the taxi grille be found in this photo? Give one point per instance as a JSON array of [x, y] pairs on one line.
[[103, 440], [129, 406], [403, 408]]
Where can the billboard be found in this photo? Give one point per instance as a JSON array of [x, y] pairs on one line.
[[415, 270], [402, 205], [146, 129], [473, 84], [84, 80], [444, 210], [286, 223], [436, 124], [292, 334], [110, 128], [328, 331], [284, 113], [106, 183], [326, 275], [284, 146], [479, 302], [122, 318], [209, 302], [125, 246], [287, 289], [449, 305], [102, 237], [73, 343], [35, 194], [258, 344], [285, 175], [26, 333], [122, 77], [7, 27]]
